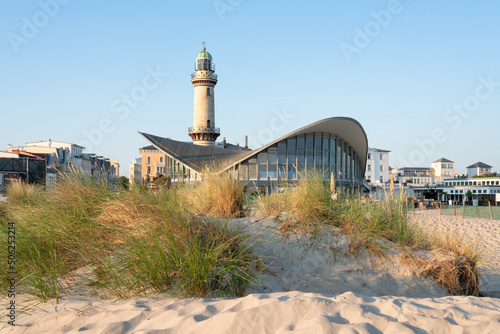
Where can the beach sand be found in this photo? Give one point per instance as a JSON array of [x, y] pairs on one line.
[[307, 287], [485, 232]]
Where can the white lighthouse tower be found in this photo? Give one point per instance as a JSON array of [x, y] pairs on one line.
[[204, 80]]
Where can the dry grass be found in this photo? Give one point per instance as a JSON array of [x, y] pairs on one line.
[[459, 275], [217, 195], [369, 224], [272, 205], [136, 241]]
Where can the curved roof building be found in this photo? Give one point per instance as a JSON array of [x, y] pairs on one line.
[[333, 145]]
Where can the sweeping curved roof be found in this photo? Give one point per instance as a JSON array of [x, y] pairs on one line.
[[199, 157]]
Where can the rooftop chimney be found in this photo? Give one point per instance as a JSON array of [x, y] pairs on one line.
[[246, 141], [224, 144]]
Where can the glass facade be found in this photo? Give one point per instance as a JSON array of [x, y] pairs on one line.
[[204, 64], [286, 160], [178, 172]]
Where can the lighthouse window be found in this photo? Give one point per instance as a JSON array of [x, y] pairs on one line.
[[208, 123], [208, 91]]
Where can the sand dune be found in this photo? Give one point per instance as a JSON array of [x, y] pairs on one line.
[[308, 287], [270, 313]]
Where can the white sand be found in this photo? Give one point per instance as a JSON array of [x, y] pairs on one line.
[[307, 288], [269, 313]]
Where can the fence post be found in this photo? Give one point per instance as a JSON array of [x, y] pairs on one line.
[[454, 209], [463, 204], [477, 210], [491, 212], [440, 211]]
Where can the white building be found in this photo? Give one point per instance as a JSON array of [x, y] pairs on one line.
[[443, 169], [440, 170], [479, 168], [135, 171], [377, 166], [66, 157], [73, 149], [418, 176], [482, 189], [59, 154]]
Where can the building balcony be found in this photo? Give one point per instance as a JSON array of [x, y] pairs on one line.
[[198, 75], [198, 129]]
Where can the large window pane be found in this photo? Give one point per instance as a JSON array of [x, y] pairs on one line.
[[339, 158], [262, 157], [318, 151], [292, 173], [333, 145], [310, 150], [282, 152], [273, 171], [310, 141], [291, 145], [272, 155], [282, 171], [252, 169], [326, 151], [262, 171], [243, 172], [301, 157]]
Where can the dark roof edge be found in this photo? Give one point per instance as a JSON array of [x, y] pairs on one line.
[[173, 155]]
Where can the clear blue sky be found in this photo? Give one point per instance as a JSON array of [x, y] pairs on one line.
[[402, 69]]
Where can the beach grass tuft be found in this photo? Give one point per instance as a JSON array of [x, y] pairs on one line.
[[369, 223], [131, 242], [217, 195]]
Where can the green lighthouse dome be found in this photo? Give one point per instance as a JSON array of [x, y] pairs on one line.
[[204, 54]]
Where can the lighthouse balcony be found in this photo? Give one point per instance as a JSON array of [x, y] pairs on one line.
[[199, 129], [203, 75]]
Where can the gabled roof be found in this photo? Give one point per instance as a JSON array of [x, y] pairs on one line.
[[198, 157], [443, 160], [480, 165]]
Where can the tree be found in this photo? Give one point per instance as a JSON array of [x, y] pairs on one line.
[[123, 182], [469, 194], [444, 193]]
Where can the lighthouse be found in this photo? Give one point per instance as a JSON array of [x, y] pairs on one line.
[[204, 80]]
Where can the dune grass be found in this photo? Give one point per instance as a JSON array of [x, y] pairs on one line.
[[309, 204], [218, 195], [131, 243], [368, 223], [172, 239]]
